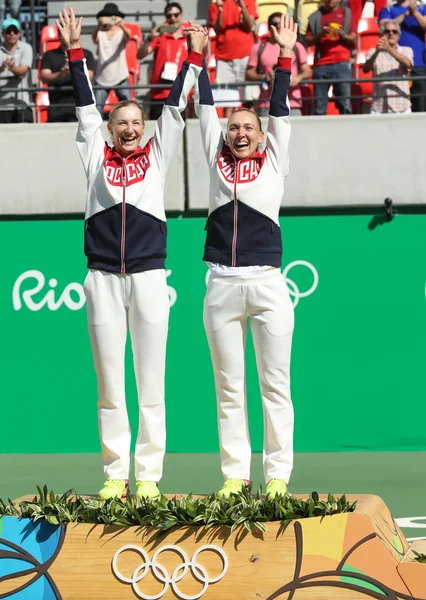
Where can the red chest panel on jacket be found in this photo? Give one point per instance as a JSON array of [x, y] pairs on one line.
[[134, 172], [247, 170]]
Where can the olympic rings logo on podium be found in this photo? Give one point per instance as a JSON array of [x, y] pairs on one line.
[[197, 570]]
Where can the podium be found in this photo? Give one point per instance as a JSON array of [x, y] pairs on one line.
[[349, 556]]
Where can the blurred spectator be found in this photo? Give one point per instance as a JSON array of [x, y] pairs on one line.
[[390, 60], [16, 59], [261, 67], [55, 73], [169, 47], [14, 7], [412, 19], [332, 32], [233, 22], [111, 38]]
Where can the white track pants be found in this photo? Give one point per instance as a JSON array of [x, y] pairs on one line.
[[138, 302], [229, 304]]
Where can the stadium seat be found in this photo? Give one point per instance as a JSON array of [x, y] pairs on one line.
[[266, 8], [41, 104], [304, 11], [110, 101], [362, 88], [49, 39], [368, 26], [263, 30], [368, 36]]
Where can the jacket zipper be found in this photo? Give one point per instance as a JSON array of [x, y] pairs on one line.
[[235, 235], [123, 218]]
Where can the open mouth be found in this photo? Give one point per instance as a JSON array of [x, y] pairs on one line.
[[126, 141], [241, 145]]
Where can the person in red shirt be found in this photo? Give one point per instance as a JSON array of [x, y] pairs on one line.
[[331, 30], [233, 22], [170, 51]]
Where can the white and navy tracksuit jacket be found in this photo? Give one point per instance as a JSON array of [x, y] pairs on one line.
[[126, 227], [243, 227]]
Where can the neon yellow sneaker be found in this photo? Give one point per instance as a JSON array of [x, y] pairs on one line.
[[276, 488], [114, 488], [147, 489], [231, 486]]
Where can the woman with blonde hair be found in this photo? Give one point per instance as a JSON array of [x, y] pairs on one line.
[[244, 252], [125, 245]]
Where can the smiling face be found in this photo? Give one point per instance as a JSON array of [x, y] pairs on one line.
[[391, 33], [11, 35], [244, 133], [126, 126]]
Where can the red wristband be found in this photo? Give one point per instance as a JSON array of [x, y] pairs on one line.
[[284, 63], [75, 54], [195, 58]]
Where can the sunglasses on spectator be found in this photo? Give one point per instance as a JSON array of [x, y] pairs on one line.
[[170, 15], [276, 24], [10, 30], [389, 31]]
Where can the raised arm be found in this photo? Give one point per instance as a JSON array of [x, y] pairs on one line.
[[420, 18], [170, 125], [90, 142], [279, 111], [211, 131], [370, 60], [216, 16]]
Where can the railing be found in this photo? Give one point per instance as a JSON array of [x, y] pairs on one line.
[[354, 96]]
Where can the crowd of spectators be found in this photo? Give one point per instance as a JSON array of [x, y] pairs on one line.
[[240, 57]]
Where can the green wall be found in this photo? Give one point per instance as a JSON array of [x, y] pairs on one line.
[[358, 368]]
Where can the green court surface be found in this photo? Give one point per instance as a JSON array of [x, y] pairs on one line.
[[398, 477]]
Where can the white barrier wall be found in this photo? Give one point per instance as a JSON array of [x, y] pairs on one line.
[[41, 172], [339, 161], [334, 162]]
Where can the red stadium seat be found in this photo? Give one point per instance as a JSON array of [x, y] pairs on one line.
[[368, 36], [49, 39], [110, 101], [368, 26], [361, 89], [263, 30], [41, 104]]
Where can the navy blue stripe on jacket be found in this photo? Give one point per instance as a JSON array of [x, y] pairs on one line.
[[258, 237], [204, 88], [145, 241], [83, 93], [279, 99]]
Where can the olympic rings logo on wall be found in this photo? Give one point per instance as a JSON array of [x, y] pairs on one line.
[[293, 288], [160, 573]]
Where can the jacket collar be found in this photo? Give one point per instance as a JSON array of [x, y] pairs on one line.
[[112, 153]]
